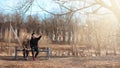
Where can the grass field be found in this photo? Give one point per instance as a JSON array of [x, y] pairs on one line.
[[62, 62]]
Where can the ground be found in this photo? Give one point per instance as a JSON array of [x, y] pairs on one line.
[[62, 62]]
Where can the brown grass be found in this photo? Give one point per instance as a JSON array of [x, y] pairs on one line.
[[62, 62], [66, 62]]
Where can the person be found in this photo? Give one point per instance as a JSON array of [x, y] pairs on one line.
[[26, 48], [34, 45]]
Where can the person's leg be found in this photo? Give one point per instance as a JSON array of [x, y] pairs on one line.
[[27, 52], [24, 53], [32, 49], [37, 52]]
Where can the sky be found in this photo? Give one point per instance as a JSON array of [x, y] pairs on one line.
[[8, 6]]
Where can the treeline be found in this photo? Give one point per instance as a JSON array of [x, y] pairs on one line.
[[60, 29]]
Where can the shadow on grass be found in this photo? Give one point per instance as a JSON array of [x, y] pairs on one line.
[[20, 58]]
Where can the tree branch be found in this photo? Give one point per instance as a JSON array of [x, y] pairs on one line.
[[71, 11], [64, 6], [102, 3]]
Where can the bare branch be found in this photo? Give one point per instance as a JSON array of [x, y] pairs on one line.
[[64, 6], [45, 10], [102, 3], [94, 11], [73, 11]]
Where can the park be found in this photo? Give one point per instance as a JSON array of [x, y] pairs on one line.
[[69, 33]]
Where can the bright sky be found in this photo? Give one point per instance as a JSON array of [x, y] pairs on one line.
[[8, 6]]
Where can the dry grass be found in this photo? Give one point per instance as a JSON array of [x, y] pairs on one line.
[[62, 62], [66, 62]]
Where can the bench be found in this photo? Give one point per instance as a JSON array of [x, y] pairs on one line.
[[43, 49]]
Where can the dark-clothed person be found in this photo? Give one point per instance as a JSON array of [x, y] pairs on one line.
[[34, 45]]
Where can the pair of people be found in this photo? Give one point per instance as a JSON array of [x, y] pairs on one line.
[[33, 45]]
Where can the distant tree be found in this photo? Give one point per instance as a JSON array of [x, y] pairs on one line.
[[32, 24]]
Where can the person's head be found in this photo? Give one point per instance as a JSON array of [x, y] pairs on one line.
[[33, 35]]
